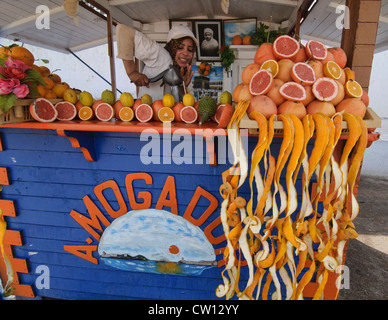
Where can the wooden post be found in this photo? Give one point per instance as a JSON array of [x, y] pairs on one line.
[[111, 53], [359, 39]]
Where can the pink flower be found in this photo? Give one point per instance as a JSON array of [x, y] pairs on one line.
[[17, 64], [12, 73], [14, 69], [8, 85], [21, 91]]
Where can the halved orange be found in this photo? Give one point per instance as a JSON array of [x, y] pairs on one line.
[[272, 66], [166, 114], [85, 113], [126, 114], [353, 89], [332, 70]]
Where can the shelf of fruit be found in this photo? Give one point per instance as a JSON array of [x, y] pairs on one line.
[[285, 77]]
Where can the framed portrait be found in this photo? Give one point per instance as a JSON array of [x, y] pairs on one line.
[[209, 35], [241, 27], [183, 23]]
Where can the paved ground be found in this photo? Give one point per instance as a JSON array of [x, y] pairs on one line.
[[367, 256]]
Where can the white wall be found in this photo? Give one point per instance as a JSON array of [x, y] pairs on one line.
[[79, 76]]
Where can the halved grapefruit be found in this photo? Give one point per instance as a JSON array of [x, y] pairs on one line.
[[188, 114], [104, 112], [285, 47], [325, 89], [144, 112], [261, 82], [227, 112], [303, 74], [316, 50], [66, 110], [43, 110], [293, 91]]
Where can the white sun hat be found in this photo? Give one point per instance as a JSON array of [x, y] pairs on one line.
[[178, 32]]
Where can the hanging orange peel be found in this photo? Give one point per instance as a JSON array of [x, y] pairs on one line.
[[7, 290], [280, 244]]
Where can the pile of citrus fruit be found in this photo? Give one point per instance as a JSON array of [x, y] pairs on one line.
[[293, 228], [287, 77]]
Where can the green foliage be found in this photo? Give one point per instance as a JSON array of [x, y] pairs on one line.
[[227, 57], [263, 34]]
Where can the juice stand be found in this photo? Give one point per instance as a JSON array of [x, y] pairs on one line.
[[138, 210]]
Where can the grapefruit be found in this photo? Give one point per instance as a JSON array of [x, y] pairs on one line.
[[264, 53], [285, 47], [95, 104], [217, 116], [262, 104], [293, 91], [274, 94], [309, 95], [104, 112], [156, 106], [248, 72], [365, 98], [66, 110], [324, 107], [143, 112], [188, 114], [325, 89], [285, 68], [303, 73], [261, 82], [236, 92], [329, 57], [341, 94], [317, 66], [117, 107], [244, 93], [177, 111], [316, 50], [43, 110], [339, 56], [294, 107], [353, 106], [301, 55], [227, 112]]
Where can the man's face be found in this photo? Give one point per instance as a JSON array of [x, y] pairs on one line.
[[208, 36]]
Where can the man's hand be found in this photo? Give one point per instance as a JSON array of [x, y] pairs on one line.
[[139, 79]]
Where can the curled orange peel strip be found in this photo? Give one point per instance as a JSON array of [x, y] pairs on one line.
[[249, 232], [7, 289]]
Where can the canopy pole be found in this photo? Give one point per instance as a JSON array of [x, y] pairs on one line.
[[111, 53]]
